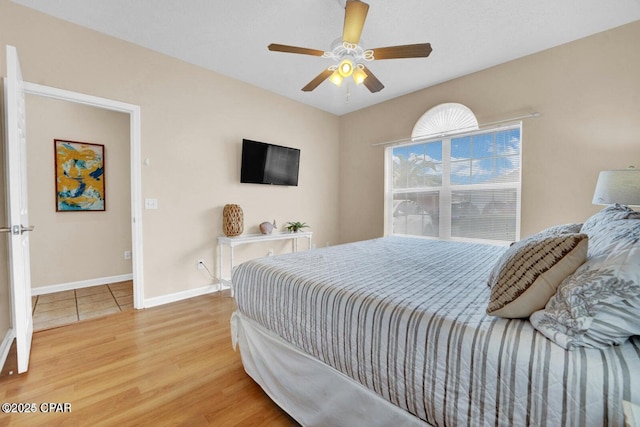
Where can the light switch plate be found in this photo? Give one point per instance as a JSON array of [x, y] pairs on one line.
[[151, 203]]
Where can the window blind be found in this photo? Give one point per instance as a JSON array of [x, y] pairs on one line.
[[465, 187]]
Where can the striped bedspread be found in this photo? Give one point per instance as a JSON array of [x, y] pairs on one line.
[[406, 318]]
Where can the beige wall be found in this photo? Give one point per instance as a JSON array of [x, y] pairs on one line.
[[193, 122], [588, 93], [75, 246]]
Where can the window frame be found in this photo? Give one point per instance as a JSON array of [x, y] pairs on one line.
[[446, 189]]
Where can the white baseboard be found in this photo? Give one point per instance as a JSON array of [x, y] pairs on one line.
[[149, 302], [178, 296], [5, 346], [41, 290]]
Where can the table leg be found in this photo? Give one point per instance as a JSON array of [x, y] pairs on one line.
[[220, 261], [231, 262]]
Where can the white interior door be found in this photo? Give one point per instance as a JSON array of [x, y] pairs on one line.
[[16, 170]]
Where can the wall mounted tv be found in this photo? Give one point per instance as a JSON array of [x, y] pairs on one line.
[[264, 163]]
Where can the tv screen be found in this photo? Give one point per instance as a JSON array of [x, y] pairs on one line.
[[264, 163]]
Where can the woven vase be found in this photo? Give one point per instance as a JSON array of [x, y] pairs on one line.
[[232, 220]]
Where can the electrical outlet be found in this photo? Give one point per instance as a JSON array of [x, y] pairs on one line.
[[200, 264], [127, 254]]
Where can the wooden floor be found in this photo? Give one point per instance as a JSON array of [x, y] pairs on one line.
[[167, 365]]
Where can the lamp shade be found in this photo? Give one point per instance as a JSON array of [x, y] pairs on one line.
[[336, 78], [618, 186], [345, 68], [359, 75]]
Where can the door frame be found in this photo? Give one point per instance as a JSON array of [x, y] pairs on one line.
[[135, 159]]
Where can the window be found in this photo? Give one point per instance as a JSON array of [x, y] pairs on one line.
[[464, 187]]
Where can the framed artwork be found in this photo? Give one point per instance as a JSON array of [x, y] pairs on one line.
[[80, 182]]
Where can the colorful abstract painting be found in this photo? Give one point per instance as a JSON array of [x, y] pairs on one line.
[[79, 176]]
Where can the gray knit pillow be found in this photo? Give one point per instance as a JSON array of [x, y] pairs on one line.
[[528, 274]]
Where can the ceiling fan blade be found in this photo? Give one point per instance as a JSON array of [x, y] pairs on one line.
[[324, 75], [354, 15], [371, 82], [420, 50], [295, 49]]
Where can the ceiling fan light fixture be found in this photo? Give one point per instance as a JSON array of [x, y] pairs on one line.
[[359, 75], [345, 68], [336, 78], [348, 56]]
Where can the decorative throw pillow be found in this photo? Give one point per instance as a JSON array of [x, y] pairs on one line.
[[592, 308], [528, 274], [599, 305]]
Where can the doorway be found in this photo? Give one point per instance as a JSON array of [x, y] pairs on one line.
[[133, 112], [73, 251]]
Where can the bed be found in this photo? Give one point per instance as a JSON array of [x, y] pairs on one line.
[[395, 331]]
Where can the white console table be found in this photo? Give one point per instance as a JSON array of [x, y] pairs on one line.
[[232, 242]]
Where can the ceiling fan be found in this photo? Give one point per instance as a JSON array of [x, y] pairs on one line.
[[349, 55]]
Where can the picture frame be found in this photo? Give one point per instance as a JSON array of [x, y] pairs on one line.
[[79, 176]]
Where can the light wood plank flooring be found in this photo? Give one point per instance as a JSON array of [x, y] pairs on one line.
[[167, 365]]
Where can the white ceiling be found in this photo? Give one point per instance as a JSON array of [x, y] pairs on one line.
[[231, 36]]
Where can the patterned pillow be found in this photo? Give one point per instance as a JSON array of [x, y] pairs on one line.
[[563, 229], [599, 305], [528, 274], [555, 231]]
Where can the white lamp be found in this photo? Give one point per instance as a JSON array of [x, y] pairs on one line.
[[618, 186]]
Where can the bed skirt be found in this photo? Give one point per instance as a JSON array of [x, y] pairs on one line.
[[313, 393]]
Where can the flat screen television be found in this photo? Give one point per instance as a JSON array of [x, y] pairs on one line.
[[264, 163]]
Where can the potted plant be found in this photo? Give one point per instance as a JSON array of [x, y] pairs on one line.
[[295, 226]]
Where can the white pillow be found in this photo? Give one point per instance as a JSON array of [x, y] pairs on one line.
[[605, 229], [631, 414]]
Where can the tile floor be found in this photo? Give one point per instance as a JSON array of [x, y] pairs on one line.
[[63, 308]]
